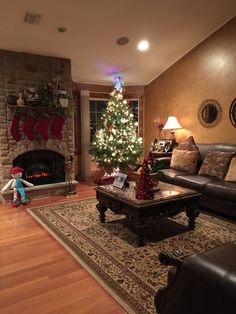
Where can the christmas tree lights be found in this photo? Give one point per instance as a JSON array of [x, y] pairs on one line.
[[116, 143]]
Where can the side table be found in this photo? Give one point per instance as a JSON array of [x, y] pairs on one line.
[[156, 154]]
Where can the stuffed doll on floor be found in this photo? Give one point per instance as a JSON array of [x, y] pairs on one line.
[[17, 185]]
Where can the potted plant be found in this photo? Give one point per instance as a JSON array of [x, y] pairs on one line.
[[63, 98]]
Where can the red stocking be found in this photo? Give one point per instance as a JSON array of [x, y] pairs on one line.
[[29, 124], [43, 125], [15, 129], [57, 124]]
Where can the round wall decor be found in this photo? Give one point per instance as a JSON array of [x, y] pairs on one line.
[[232, 112], [209, 113]]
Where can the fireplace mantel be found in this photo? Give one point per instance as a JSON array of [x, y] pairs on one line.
[[24, 109]]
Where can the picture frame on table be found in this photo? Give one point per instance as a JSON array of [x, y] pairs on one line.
[[168, 146], [163, 145], [120, 180]]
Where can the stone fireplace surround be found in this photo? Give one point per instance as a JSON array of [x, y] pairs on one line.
[[17, 71]]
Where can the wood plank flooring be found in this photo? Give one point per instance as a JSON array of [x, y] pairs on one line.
[[37, 275]]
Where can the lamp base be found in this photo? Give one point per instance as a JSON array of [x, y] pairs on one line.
[[174, 143]]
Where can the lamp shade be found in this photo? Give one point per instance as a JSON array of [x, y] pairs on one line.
[[172, 124]]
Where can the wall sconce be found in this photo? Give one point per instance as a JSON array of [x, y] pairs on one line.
[[172, 124]]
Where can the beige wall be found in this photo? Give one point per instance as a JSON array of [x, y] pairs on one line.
[[206, 72]]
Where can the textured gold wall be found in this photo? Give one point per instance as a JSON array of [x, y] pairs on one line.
[[208, 71]]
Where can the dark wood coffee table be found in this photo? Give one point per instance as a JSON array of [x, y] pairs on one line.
[[168, 201]]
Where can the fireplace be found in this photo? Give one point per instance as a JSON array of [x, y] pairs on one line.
[[42, 166]]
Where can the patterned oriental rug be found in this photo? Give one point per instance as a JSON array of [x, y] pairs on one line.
[[131, 274]]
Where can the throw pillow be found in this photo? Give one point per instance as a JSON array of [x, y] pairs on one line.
[[183, 159], [231, 174], [215, 164], [189, 144]]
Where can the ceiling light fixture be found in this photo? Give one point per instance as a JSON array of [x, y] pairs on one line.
[[62, 29], [143, 45]]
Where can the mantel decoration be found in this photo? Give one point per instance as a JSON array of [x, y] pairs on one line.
[[116, 143], [34, 123], [50, 94], [40, 111]]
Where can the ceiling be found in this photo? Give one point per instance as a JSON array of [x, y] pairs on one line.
[[172, 27]]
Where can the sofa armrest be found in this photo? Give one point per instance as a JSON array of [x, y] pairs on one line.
[[203, 283], [170, 258]]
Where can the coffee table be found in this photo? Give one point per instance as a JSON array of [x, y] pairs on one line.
[[168, 201]]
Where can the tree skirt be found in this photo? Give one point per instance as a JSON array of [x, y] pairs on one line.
[[131, 274]]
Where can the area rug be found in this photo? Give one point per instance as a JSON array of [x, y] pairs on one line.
[[131, 274]]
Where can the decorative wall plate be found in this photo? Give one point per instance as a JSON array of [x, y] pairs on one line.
[[232, 112], [209, 113]]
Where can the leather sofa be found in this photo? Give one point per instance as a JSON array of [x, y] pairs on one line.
[[218, 196], [200, 283]]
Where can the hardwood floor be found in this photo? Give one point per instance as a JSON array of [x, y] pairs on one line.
[[37, 275]]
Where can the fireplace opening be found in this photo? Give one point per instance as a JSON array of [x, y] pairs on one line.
[[41, 166]]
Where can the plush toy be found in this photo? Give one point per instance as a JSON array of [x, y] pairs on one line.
[[17, 185]]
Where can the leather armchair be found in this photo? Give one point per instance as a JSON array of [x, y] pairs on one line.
[[201, 283]]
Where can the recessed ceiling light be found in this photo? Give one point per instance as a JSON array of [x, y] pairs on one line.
[[143, 45], [62, 29], [122, 41]]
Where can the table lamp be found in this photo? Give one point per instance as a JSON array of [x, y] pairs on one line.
[[172, 124]]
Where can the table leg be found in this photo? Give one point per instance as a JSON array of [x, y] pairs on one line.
[[102, 209], [140, 227], [192, 213]]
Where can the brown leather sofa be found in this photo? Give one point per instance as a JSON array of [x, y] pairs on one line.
[[200, 284], [217, 195]]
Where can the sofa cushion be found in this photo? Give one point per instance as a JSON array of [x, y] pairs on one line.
[[185, 160], [221, 189], [195, 182], [216, 164], [189, 144], [231, 174], [205, 148], [168, 175]]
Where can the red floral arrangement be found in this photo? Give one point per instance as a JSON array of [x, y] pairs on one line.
[[144, 188], [159, 123]]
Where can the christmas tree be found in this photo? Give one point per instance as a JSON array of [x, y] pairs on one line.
[[116, 143]]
